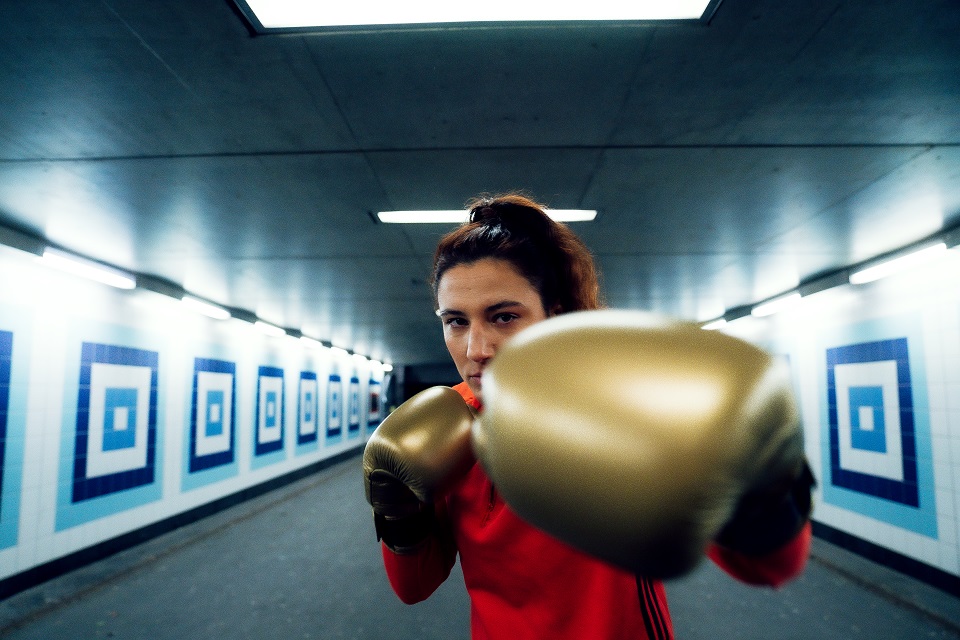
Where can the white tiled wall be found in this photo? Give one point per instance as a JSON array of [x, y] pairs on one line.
[[49, 316], [922, 305]]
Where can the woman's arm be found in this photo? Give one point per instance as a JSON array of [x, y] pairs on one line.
[[773, 569], [415, 574]]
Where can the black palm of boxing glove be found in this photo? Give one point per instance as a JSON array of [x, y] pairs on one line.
[[771, 516], [402, 521]]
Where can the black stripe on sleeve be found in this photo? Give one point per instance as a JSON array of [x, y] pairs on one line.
[[653, 619]]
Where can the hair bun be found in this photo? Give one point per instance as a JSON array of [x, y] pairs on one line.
[[511, 212]]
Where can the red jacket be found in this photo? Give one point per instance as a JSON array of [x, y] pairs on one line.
[[525, 585]]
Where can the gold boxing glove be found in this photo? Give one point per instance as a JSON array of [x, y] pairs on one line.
[[633, 437], [413, 457]]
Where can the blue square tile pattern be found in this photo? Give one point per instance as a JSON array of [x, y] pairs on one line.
[[353, 408], [872, 443], [334, 408], [213, 414], [115, 441], [308, 408], [268, 431], [120, 418], [866, 419]]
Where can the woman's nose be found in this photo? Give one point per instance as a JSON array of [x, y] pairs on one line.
[[481, 345]]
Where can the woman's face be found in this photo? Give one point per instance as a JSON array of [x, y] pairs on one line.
[[481, 304]]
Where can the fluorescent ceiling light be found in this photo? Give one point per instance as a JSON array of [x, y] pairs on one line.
[[889, 267], [460, 216], [88, 269], [572, 215], [298, 14], [775, 305], [337, 351], [311, 342], [714, 324], [423, 217], [269, 329], [206, 308]]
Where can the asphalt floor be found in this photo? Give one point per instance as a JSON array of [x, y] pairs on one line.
[[301, 562]]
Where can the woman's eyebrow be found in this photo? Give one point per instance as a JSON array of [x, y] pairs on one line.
[[503, 305]]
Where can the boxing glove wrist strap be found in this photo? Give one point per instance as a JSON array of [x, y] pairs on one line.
[[763, 523], [405, 535]]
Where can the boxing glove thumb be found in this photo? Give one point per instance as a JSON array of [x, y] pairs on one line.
[[633, 437], [416, 454]]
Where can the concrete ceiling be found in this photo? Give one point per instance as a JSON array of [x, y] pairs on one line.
[[729, 161]]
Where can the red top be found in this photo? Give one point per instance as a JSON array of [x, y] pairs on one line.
[[526, 585]]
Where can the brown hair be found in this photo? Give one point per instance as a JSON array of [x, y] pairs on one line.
[[548, 254]]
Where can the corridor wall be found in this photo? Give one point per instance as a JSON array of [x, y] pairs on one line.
[[877, 372], [122, 409]]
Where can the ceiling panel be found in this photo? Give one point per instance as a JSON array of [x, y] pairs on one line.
[[482, 87], [228, 206], [728, 161], [726, 198]]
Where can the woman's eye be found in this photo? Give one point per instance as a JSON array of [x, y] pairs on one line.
[[455, 322], [504, 318]]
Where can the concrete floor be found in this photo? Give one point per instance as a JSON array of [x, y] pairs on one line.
[[302, 562]]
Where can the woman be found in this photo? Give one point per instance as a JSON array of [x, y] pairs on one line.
[[506, 269]]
